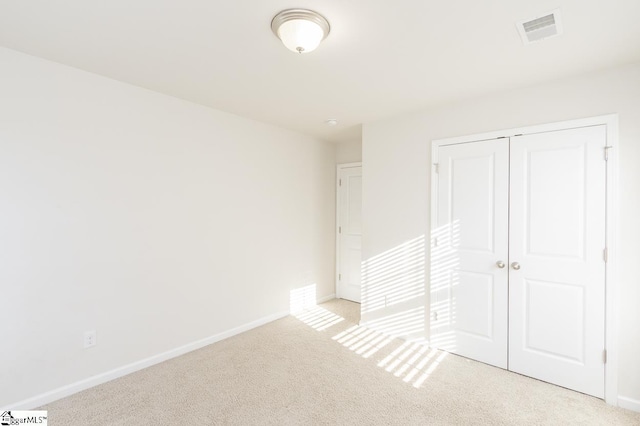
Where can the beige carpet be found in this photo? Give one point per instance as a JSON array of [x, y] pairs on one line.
[[318, 368]]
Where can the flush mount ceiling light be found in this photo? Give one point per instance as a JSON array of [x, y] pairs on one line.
[[300, 30]]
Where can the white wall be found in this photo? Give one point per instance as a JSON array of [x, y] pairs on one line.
[[152, 220], [349, 152], [396, 158]]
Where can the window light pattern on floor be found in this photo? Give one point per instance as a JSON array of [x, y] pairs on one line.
[[302, 305], [412, 362], [318, 318]]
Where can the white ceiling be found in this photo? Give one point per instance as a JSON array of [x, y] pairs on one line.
[[381, 59]]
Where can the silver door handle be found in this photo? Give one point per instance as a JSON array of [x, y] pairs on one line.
[[500, 264], [515, 265]]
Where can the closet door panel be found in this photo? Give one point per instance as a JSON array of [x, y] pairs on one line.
[[468, 289], [557, 269]]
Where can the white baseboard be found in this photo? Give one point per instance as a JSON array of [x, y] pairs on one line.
[[326, 298], [628, 403], [64, 391]]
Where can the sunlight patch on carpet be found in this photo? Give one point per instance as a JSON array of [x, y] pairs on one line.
[[411, 361], [318, 318]]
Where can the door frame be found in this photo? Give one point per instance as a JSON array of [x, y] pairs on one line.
[[611, 223], [339, 168]]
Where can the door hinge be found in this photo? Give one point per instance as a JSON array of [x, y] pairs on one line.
[[340, 182], [339, 229], [605, 254], [436, 167], [606, 152], [604, 356], [339, 277], [435, 315]]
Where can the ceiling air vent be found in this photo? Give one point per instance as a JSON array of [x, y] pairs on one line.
[[541, 27]]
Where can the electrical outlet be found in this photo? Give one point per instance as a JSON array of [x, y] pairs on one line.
[[89, 339]]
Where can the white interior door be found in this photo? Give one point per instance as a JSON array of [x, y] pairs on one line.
[[557, 267], [469, 246], [349, 236]]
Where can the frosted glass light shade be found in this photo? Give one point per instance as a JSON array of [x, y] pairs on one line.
[[301, 36], [300, 30]]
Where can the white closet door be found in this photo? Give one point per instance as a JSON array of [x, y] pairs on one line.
[[557, 269], [350, 233], [469, 237]]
